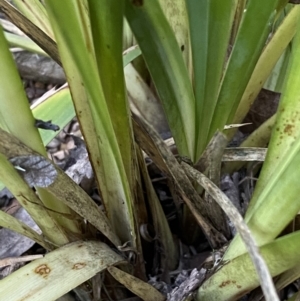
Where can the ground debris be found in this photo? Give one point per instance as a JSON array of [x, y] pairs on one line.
[[188, 286]]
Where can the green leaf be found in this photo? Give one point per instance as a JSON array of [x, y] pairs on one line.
[[31, 30], [266, 219], [251, 38], [58, 272], [130, 54], [35, 12], [169, 73], [176, 14], [58, 108], [10, 222], [277, 190], [210, 28], [276, 78], [12, 120], [30, 201], [286, 131], [107, 29], [23, 42], [237, 277], [270, 55], [72, 30], [20, 121]]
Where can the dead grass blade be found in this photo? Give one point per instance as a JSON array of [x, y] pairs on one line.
[[156, 149], [259, 263], [210, 164], [244, 154], [142, 289], [63, 188], [32, 31]]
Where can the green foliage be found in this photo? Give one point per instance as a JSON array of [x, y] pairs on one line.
[[205, 80], [169, 73]]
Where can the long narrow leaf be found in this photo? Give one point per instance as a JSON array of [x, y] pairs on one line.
[[106, 22], [210, 27], [286, 130], [176, 14], [169, 73], [237, 277], [281, 194], [58, 272], [266, 63], [235, 217], [10, 222], [29, 200], [61, 186], [75, 40], [32, 31], [137, 286], [24, 43], [251, 38], [15, 121], [35, 11]]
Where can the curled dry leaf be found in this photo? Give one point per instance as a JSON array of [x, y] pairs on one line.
[[36, 170], [63, 188]]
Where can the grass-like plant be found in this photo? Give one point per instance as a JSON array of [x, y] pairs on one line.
[[208, 61]]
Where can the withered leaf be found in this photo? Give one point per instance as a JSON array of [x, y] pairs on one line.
[[36, 170]]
